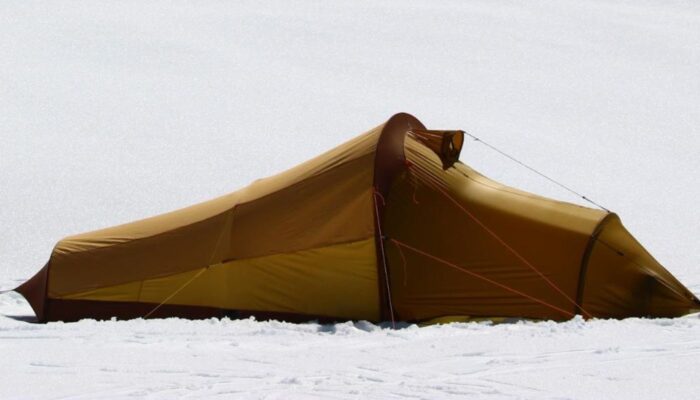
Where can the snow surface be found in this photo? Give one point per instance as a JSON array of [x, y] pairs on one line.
[[115, 111]]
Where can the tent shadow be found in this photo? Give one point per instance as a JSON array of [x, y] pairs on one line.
[[24, 318], [366, 326]]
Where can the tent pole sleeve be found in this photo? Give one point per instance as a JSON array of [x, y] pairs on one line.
[[583, 269], [389, 162]]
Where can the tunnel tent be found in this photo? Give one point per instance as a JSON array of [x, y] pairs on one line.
[[388, 226]]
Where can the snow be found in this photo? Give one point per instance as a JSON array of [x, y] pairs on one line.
[[115, 111], [647, 359]]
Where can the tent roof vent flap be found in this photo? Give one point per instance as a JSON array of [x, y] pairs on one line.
[[446, 144]]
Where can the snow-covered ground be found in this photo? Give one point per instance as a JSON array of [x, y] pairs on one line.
[[115, 111], [272, 360]]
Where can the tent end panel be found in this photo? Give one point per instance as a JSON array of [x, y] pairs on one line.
[[624, 280], [34, 291]]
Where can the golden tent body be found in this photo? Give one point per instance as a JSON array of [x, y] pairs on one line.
[[388, 226]]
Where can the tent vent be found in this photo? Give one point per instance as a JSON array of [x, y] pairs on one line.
[[446, 144]]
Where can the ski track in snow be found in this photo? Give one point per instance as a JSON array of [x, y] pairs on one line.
[[112, 112]]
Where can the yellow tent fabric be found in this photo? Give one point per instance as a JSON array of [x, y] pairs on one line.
[[389, 225]]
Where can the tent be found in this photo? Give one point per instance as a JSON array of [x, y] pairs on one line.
[[388, 226]]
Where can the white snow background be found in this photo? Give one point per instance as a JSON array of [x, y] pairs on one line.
[[114, 111]]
